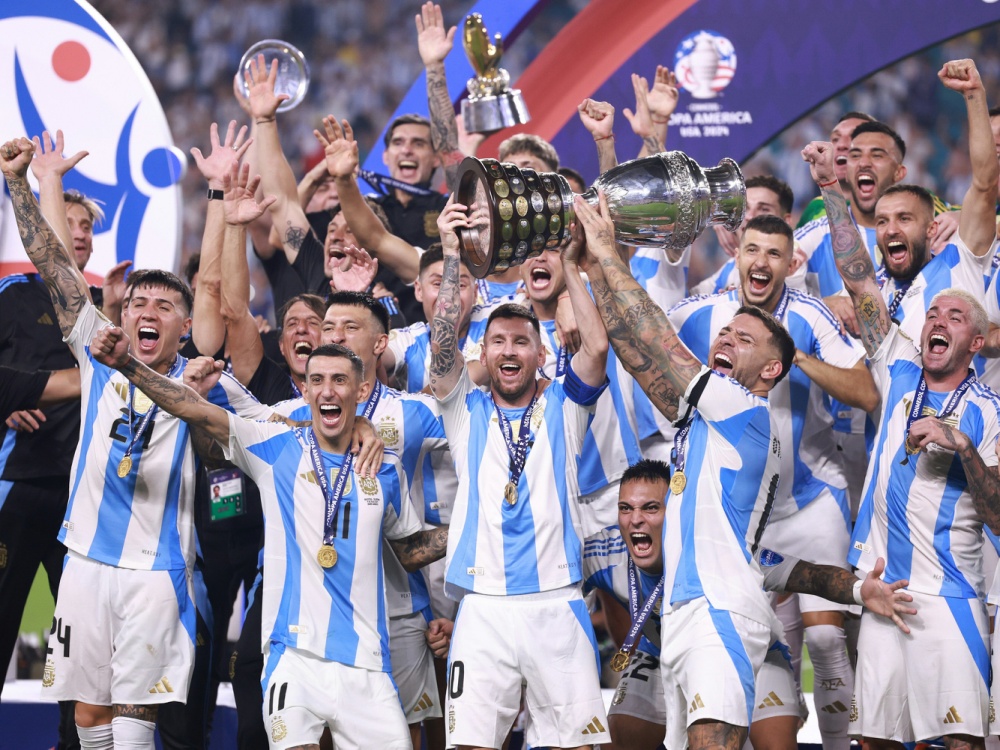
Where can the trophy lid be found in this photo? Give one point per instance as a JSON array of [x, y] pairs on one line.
[[293, 70]]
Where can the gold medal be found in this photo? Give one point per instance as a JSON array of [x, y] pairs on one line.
[[620, 660], [911, 451], [510, 493], [678, 482], [327, 556], [124, 466]]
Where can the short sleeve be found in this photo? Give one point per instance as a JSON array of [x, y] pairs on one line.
[[400, 340], [234, 397], [455, 407], [776, 569], [400, 520], [88, 323], [255, 446], [717, 397], [20, 390], [579, 392], [895, 346], [832, 346]]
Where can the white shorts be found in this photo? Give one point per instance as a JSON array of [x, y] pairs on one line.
[[598, 510], [776, 693], [930, 683], [818, 534], [304, 693], [708, 663], [854, 452], [413, 668], [542, 641], [640, 691], [120, 635]]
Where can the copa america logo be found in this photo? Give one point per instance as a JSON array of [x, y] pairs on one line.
[[705, 63], [62, 66]]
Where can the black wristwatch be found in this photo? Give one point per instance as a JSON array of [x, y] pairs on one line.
[[215, 195]]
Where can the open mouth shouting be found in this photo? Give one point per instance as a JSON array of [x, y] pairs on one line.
[[147, 339], [642, 544], [408, 170], [937, 343], [722, 363], [866, 185], [759, 283], [330, 415], [896, 252], [540, 279], [302, 350]]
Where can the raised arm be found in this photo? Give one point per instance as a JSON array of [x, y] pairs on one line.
[[853, 386], [420, 549], [277, 179], [977, 220], [208, 331], [434, 44], [341, 150], [49, 166], [652, 110], [590, 363], [447, 362], [110, 347], [638, 329], [260, 230], [239, 208], [853, 260], [67, 287], [599, 119]]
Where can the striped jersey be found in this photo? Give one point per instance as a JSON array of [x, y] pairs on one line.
[[336, 613], [612, 441], [919, 515], [145, 520], [605, 567], [810, 461], [535, 544], [411, 346], [713, 528], [410, 426]]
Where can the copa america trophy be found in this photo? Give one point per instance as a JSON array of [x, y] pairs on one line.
[[665, 200], [293, 70], [492, 104]]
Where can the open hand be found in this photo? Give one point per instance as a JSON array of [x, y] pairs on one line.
[[49, 160]]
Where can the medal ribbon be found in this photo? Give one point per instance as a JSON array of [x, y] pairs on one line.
[[296, 393], [882, 277], [334, 495], [382, 183], [562, 359], [779, 311], [920, 395], [483, 287], [135, 435], [639, 615], [518, 453], [680, 445]]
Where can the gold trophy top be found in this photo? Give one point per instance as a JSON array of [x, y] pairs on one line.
[[484, 56]]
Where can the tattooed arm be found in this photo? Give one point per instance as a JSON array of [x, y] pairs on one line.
[[638, 329], [66, 285], [288, 217], [422, 548], [983, 480], [110, 347], [434, 44], [852, 257], [837, 585], [446, 356]]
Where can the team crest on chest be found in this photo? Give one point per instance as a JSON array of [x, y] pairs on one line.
[[368, 485], [388, 432], [431, 223]]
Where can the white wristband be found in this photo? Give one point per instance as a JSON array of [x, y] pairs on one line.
[[857, 591]]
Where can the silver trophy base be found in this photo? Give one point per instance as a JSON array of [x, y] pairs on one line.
[[489, 114]]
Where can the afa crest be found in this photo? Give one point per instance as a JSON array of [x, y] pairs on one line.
[[279, 730], [368, 485], [388, 432]]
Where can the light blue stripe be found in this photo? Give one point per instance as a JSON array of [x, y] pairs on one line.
[[188, 609], [416, 362], [99, 379], [9, 440], [465, 551], [579, 608], [518, 522], [291, 593], [723, 622], [274, 655], [961, 609], [169, 554]]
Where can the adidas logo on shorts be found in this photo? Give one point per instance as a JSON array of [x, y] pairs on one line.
[[952, 716], [594, 727], [424, 703], [771, 700], [163, 686]]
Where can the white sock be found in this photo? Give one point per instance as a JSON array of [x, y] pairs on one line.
[[95, 738], [833, 685], [132, 734], [791, 620]]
